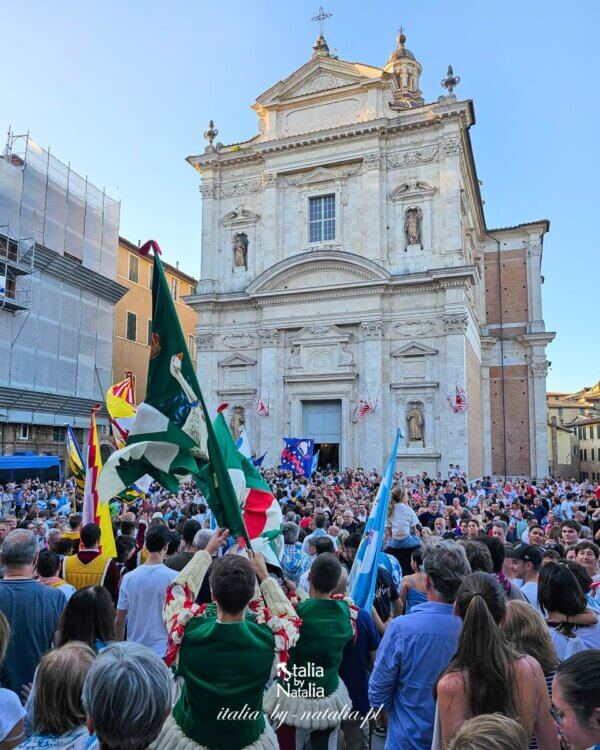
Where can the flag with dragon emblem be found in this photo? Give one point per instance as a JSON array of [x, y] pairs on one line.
[[172, 438]]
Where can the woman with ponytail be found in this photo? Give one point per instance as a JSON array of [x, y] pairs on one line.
[[487, 675], [402, 522]]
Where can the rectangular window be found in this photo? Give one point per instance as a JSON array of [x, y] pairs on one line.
[[598, 431], [149, 332], [58, 434], [321, 218], [134, 265], [580, 454], [23, 432], [593, 452], [585, 454], [175, 289], [131, 326]]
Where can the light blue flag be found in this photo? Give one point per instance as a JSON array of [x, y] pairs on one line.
[[315, 463], [364, 569]]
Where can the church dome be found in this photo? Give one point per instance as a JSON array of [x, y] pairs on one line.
[[401, 52]]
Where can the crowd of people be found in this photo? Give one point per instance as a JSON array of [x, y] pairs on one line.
[[484, 630]]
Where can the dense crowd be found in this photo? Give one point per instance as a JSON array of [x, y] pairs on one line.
[[484, 630]]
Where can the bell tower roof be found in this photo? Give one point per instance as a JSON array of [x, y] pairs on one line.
[[405, 70]]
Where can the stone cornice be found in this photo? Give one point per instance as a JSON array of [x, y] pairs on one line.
[[416, 283], [425, 118]]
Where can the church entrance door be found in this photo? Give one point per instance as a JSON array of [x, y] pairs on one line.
[[322, 421]]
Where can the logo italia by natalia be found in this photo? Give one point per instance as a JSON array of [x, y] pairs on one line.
[[297, 681]]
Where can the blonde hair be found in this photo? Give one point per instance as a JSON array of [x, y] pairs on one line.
[[59, 683], [4, 636], [524, 628], [399, 494], [489, 732]]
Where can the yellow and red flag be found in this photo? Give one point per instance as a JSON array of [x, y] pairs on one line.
[[121, 407], [93, 510]]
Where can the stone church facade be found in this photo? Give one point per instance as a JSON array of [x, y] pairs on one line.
[[346, 261]]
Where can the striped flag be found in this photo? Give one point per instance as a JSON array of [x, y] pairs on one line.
[[260, 510], [364, 569], [93, 510], [76, 465], [120, 404]]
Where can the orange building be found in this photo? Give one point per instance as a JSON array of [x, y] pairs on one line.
[[133, 313]]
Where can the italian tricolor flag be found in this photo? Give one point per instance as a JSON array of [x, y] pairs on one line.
[[260, 510]]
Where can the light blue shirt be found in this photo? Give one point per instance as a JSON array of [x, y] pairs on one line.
[[415, 650]]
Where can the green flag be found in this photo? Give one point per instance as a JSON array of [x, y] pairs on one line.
[[172, 438]]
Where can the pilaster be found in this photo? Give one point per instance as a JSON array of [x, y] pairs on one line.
[[371, 371], [271, 427]]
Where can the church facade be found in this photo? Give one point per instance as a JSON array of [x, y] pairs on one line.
[[350, 284]]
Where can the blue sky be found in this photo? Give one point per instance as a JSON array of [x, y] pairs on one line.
[[124, 89]]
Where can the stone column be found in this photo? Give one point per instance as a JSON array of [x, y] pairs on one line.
[[534, 284], [454, 448], [207, 369], [268, 224], [270, 427], [539, 370], [449, 224], [209, 191], [374, 442], [373, 201], [487, 347]]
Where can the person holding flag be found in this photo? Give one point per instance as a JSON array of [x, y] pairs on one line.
[[172, 437], [93, 564], [224, 652], [363, 576]]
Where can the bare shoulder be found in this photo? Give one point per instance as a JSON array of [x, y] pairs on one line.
[[450, 683], [527, 666]]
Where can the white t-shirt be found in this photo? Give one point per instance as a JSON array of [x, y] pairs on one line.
[[11, 712], [142, 596], [530, 591], [403, 518]]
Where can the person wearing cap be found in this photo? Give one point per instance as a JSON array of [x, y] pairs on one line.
[[526, 562]]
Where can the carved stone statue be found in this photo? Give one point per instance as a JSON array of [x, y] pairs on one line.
[[415, 424], [237, 421], [240, 250], [412, 226]]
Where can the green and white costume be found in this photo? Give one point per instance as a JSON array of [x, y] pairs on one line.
[[223, 667], [327, 625]]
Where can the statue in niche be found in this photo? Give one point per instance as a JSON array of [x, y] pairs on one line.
[[236, 421], [412, 226], [240, 250], [415, 424], [295, 356]]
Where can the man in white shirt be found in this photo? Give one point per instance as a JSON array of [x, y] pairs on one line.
[[142, 595], [526, 561]]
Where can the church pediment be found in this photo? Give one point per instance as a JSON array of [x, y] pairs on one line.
[[413, 349], [316, 76], [321, 175], [319, 269], [239, 217], [411, 190], [318, 334], [237, 360]]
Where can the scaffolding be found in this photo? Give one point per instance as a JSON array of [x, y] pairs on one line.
[[17, 255], [45, 200]]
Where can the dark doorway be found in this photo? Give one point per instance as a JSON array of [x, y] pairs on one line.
[[329, 454]]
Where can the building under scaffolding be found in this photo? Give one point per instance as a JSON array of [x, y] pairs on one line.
[[58, 262]]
